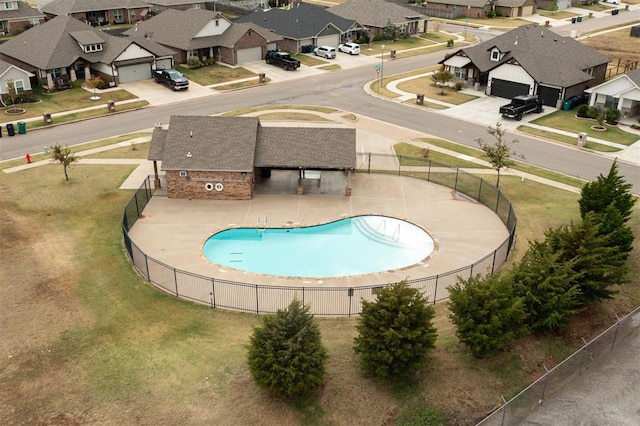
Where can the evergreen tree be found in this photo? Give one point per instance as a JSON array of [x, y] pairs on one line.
[[286, 355], [549, 286], [608, 190], [487, 313], [395, 332], [599, 265]]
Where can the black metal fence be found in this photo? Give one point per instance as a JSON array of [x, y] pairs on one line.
[[326, 301], [518, 408]]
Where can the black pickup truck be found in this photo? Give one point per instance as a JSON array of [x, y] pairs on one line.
[[172, 78], [520, 105], [282, 59]]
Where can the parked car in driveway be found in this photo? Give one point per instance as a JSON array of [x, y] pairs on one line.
[[326, 52], [350, 48]]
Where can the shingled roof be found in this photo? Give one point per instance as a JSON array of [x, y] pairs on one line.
[[548, 57], [242, 143], [302, 21], [178, 29], [52, 45], [65, 7], [376, 13], [23, 12]]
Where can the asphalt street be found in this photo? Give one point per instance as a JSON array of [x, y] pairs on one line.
[[342, 89]]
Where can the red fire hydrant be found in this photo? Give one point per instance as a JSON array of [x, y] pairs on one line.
[[28, 157]]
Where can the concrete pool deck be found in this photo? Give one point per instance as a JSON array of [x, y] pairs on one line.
[[173, 231]]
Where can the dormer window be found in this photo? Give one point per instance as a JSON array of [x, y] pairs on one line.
[[10, 5], [89, 48], [495, 54]]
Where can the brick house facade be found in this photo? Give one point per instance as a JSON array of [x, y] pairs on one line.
[[219, 158]]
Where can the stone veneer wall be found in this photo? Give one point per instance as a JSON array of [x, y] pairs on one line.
[[237, 186]]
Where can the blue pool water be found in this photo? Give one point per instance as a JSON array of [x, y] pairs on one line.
[[353, 246]]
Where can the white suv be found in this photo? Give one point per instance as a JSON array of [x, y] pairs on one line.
[[326, 52], [350, 48]]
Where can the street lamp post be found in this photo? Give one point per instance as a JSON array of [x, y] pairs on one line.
[[381, 67]]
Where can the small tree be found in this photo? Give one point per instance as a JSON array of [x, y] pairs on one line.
[[63, 156], [608, 190], [549, 287], [395, 332], [286, 355], [441, 78], [499, 153], [13, 95], [553, 8], [487, 314]]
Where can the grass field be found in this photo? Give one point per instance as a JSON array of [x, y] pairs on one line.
[[615, 45], [87, 341]]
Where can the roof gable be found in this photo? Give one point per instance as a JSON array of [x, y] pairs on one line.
[[548, 57], [302, 21], [376, 13]]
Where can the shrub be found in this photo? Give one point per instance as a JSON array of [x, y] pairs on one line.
[[76, 84], [593, 112], [487, 314], [395, 331], [458, 86], [612, 115], [583, 111], [450, 42], [194, 62], [377, 37], [286, 355]]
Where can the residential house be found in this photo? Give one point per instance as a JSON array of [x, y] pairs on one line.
[[16, 16], [10, 74], [207, 35], [223, 158], [529, 60], [98, 12], [159, 6], [305, 25], [514, 8], [547, 4], [621, 92], [65, 49], [452, 9], [377, 15]]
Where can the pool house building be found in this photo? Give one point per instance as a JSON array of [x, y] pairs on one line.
[[227, 158]]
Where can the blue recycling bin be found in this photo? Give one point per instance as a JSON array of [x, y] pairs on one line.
[[11, 131]]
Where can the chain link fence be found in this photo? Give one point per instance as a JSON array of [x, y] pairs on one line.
[[516, 410], [325, 301]]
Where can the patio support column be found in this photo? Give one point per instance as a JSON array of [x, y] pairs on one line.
[[87, 73], [619, 107], [50, 84], [72, 74]]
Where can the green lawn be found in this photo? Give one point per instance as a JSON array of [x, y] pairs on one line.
[[214, 74], [65, 100], [426, 86], [566, 120], [404, 150]]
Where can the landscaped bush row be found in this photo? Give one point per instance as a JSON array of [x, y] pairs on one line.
[[610, 115]]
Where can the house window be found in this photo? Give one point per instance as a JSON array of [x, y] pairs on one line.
[[193, 53], [197, 6], [217, 22], [117, 15], [18, 85], [93, 48], [459, 72], [57, 72], [132, 15], [33, 22], [11, 5], [589, 71], [495, 55], [611, 102]]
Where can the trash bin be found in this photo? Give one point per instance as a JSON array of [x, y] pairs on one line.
[[11, 131], [47, 118], [573, 20], [22, 127], [393, 54], [262, 77], [0, 131], [45, 150], [420, 99], [579, 18], [614, 11], [111, 106], [566, 105], [547, 24]]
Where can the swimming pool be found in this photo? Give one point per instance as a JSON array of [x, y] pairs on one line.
[[352, 246]]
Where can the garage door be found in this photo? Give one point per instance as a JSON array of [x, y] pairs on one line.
[[164, 64], [549, 95], [135, 72], [331, 40], [508, 89], [526, 11], [249, 55]]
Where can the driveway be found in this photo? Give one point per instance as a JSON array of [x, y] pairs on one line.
[[159, 94]]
